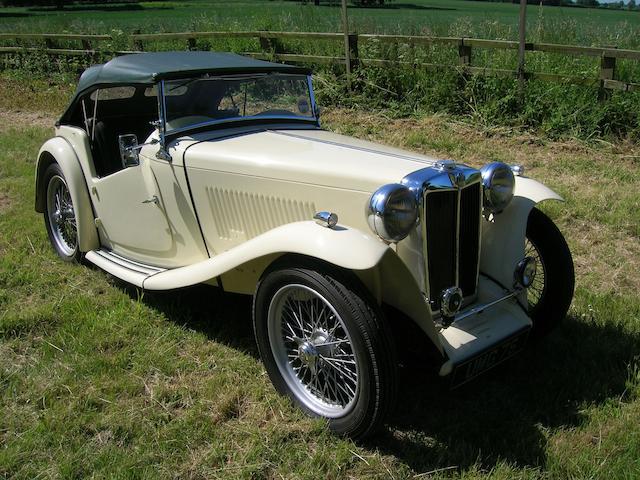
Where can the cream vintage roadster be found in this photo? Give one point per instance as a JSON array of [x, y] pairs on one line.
[[180, 168]]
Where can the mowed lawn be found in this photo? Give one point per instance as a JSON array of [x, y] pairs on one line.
[[100, 380]]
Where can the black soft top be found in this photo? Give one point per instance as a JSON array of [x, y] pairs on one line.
[[149, 68]]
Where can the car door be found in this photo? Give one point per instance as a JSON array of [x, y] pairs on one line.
[[130, 215]]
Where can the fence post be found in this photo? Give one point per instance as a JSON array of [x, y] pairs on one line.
[[271, 45], [522, 38], [353, 51], [347, 48], [464, 53], [265, 44], [137, 44], [607, 72]]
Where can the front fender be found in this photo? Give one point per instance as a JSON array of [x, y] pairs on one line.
[[503, 236], [58, 150], [342, 246]]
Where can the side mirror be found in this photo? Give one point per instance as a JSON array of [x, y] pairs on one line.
[[129, 150]]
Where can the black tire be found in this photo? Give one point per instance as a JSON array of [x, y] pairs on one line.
[[552, 291], [371, 344], [62, 236]]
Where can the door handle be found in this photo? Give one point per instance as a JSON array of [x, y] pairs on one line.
[[153, 199]]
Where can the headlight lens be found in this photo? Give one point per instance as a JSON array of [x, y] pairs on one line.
[[499, 184], [392, 212]]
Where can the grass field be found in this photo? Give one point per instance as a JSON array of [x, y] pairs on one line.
[[98, 380], [429, 17], [552, 109]]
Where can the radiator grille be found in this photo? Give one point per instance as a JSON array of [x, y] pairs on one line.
[[469, 238], [452, 240]]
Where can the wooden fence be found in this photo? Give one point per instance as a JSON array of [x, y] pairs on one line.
[[271, 48]]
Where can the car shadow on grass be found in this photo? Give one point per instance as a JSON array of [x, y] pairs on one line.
[[499, 417], [223, 317]]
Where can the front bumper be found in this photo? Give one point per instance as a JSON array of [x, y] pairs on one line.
[[476, 332]]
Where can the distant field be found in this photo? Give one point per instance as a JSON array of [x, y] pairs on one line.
[[430, 17]]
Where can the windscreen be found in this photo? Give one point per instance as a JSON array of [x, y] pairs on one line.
[[209, 99]]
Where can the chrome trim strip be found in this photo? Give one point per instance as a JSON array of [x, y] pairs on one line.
[[353, 147], [162, 124], [128, 264], [240, 120], [312, 96], [478, 309], [480, 214], [108, 258], [133, 262], [458, 200]]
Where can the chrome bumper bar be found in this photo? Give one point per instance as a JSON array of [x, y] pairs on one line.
[[478, 309]]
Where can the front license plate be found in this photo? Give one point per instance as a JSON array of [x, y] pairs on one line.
[[490, 358]]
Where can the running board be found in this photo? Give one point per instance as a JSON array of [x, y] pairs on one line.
[[128, 270]]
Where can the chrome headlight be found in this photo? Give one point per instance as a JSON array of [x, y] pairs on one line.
[[499, 183], [392, 212]]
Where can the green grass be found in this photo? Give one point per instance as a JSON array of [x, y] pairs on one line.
[[98, 380]]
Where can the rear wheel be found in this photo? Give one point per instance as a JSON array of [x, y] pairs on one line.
[[551, 292], [325, 345], [59, 215]]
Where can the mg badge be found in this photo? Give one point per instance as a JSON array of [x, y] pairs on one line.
[[457, 179]]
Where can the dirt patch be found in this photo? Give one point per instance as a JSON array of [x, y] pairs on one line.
[[20, 119], [5, 202]]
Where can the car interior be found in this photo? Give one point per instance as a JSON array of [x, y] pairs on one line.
[[107, 113]]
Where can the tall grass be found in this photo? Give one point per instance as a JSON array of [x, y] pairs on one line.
[[552, 108]]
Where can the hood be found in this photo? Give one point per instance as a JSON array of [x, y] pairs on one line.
[[309, 156]]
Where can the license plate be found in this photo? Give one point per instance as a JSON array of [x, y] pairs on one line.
[[488, 359]]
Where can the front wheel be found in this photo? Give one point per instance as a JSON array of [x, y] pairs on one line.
[[325, 345], [550, 294]]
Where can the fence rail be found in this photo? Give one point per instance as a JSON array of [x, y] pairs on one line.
[[90, 46]]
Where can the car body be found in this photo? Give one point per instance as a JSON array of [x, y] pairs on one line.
[[179, 168]]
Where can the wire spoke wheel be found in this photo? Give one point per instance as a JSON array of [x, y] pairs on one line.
[[550, 294], [313, 350], [61, 216], [538, 287]]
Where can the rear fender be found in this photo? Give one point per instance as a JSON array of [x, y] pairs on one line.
[[58, 150], [503, 236]]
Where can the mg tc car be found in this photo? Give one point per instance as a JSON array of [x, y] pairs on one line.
[[173, 169]]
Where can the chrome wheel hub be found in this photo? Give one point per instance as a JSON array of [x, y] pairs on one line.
[[308, 355], [313, 350]]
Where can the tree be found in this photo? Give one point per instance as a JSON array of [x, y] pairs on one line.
[[631, 5]]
